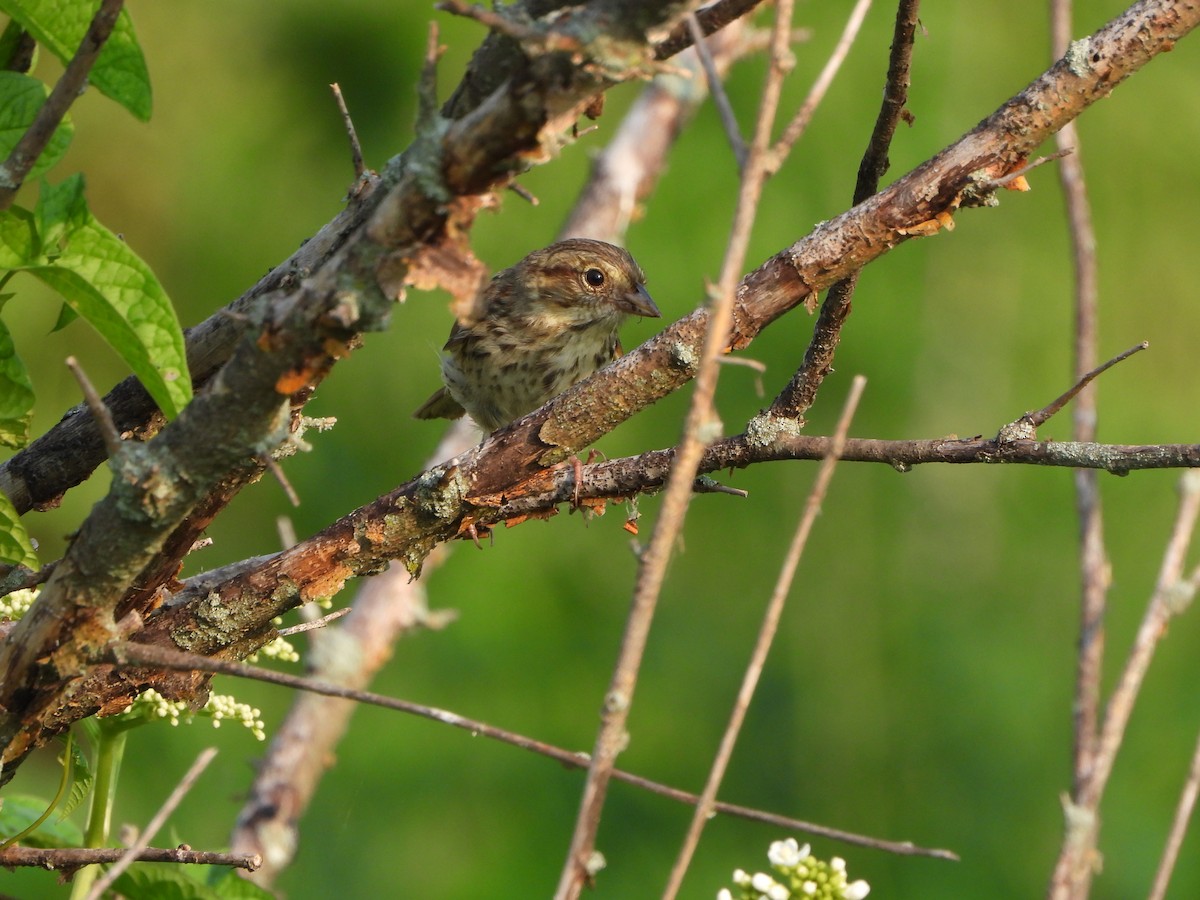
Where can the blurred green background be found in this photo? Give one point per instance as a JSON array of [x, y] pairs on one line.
[[920, 688]]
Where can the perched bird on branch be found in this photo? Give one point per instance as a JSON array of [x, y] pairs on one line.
[[549, 321]]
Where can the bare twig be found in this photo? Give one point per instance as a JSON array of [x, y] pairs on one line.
[[697, 431], [277, 470], [720, 99], [16, 168], [799, 123], [762, 645], [1073, 869], [1016, 174], [798, 396], [100, 413], [1093, 557], [1025, 428], [315, 624], [356, 154], [133, 654], [68, 859], [712, 18], [1179, 824], [157, 822]]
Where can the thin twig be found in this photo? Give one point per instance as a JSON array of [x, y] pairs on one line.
[[356, 154], [1009, 178], [1179, 824], [317, 623], [15, 169], [799, 124], [1093, 557], [277, 470], [762, 645], [712, 18], [1025, 428], [156, 823], [1073, 869], [100, 412], [133, 654], [717, 88], [700, 419], [798, 395], [69, 859]]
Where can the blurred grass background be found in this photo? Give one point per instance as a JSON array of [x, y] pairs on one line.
[[921, 686]]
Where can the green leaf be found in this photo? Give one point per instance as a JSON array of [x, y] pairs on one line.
[[105, 282], [120, 70], [232, 886], [81, 780], [22, 810], [16, 394], [163, 881], [61, 210], [17, 238], [66, 316], [20, 99], [15, 546]]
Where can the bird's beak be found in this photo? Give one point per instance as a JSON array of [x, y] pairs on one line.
[[638, 303]]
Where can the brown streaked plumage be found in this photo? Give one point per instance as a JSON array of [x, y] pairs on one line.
[[549, 321]]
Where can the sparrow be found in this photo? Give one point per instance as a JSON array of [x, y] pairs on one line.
[[547, 322]]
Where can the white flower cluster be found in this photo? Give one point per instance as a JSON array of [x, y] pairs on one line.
[[150, 704], [280, 648], [798, 874], [16, 604]]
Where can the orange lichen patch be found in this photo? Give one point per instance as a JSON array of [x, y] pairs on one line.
[[294, 379], [595, 505], [525, 517], [336, 349], [631, 527], [1018, 184], [930, 226]]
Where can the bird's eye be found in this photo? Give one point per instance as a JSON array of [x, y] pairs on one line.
[[594, 277]]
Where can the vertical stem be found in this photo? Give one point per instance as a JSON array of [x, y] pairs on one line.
[[1093, 559], [110, 750]]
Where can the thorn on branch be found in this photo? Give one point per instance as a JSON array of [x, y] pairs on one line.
[[1015, 179], [705, 485], [276, 470], [494, 20], [356, 154], [315, 624], [524, 194], [1025, 428], [427, 102], [529, 37], [104, 419]]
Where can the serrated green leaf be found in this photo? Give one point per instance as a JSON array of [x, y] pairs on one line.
[[15, 546], [81, 781], [17, 238], [16, 394], [231, 886], [20, 99], [22, 810], [131, 318], [120, 70], [107, 284], [162, 881]]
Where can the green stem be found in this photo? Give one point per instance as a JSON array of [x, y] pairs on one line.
[[110, 749]]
